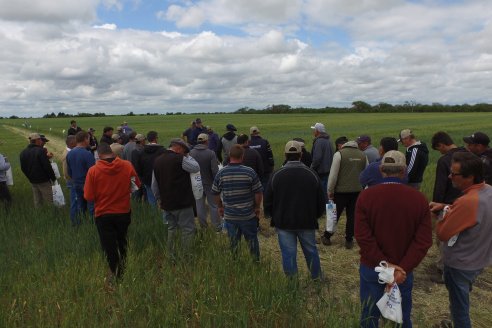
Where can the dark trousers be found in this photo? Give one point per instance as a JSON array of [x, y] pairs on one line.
[[345, 201], [5, 195], [112, 231]]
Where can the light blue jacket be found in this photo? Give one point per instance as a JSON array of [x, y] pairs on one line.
[[4, 166]]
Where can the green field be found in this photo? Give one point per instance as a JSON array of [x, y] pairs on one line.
[[53, 275]]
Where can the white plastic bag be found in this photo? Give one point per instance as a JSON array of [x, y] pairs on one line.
[[331, 217], [58, 198], [55, 169], [196, 184], [10, 177], [390, 305]]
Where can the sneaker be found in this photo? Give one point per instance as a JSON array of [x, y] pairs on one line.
[[349, 244], [326, 241]]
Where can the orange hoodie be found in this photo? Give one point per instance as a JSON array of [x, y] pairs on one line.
[[108, 185]]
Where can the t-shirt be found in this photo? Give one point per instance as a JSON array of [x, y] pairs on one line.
[[79, 161]]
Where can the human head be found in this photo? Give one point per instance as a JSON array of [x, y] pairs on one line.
[[393, 164], [230, 127], [70, 141], [202, 138], [43, 138], [82, 138], [91, 131], [386, 144], [236, 154], [140, 139], [108, 131], [243, 140], [73, 123], [318, 128], [300, 141], [209, 129], [198, 122], [441, 141], [363, 141], [293, 151], [466, 170], [407, 138], [179, 146], [117, 138], [35, 138], [340, 142], [132, 135], [152, 136], [254, 131], [477, 143], [104, 151]]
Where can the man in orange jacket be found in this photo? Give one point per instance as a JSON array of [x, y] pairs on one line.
[[108, 185]]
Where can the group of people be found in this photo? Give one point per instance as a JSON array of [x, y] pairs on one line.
[[388, 216]]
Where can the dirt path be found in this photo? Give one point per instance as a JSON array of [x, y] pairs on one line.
[[55, 144]]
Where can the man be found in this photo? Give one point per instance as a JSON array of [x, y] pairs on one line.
[[209, 166], [187, 134], [478, 143], [79, 161], [238, 195], [364, 144], [139, 147], [344, 187], [70, 142], [171, 184], [92, 140], [294, 199], [213, 139], [144, 164], [392, 224], [226, 142], [36, 166], [199, 129], [108, 186], [107, 135], [130, 146], [322, 153], [73, 129], [117, 145], [263, 147], [371, 175], [306, 157], [126, 129], [252, 157], [5, 196], [340, 141], [417, 157], [465, 229], [122, 134]]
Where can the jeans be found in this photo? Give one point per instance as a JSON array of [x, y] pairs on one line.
[[113, 231], [201, 209], [184, 220], [247, 228], [324, 184], [287, 240], [370, 293], [82, 204], [459, 285], [150, 195], [346, 201], [264, 180], [73, 205]]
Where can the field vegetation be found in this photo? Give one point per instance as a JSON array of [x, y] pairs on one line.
[[53, 274]]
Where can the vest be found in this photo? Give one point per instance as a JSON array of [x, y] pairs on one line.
[[353, 162]]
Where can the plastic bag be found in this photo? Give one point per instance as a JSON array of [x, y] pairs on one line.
[[10, 177], [58, 198], [331, 217], [390, 305], [196, 184], [55, 169]]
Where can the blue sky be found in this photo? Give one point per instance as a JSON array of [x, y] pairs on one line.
[[209, 55]]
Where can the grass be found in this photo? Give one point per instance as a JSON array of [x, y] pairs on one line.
[[53, 275]]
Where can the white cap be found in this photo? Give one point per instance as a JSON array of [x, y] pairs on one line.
[[319, 127]]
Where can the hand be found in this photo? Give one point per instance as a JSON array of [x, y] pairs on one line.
[[331, 195], [399, 275], [49, 154], [221, 211], [436, 207], [257, 212]]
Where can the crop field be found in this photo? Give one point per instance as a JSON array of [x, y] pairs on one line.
[[53, 274]]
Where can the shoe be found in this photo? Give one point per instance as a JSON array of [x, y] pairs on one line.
[[325, 241], [349, 244]]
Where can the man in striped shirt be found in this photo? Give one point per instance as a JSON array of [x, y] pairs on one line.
[[238, 195], [417, 156]]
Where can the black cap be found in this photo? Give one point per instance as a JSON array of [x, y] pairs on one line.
[[230, 127], [478, 138], [43, 137]]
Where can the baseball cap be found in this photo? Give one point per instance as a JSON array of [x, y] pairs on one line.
[[119, 128], [405, 133], [43, 137], [92, 130], [254, 129], [209, 128], [115, 137], [478, 138], [293, 147], [180, 142], [363, 138], [393, 158], [34, 136], [198, 120], [230, 127], [319, 127], [202, 137], [140, 137]]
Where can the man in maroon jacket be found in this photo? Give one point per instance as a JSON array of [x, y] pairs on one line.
[[392, 224]]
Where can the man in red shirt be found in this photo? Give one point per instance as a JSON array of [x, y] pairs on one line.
[[392, 224], [109, 185]]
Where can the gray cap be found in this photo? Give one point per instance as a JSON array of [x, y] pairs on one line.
[[180, 142]]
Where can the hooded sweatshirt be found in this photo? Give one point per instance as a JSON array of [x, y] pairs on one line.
[[417, 157], [108, 185], [226, 142], [322, 154], [144, 162]]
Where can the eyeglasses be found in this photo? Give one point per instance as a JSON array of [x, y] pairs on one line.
[[452, 174]]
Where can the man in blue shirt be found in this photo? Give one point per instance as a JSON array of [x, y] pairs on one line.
[[371, 175], [79, 160]]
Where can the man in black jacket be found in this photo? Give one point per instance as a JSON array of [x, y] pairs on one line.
[[265, 150], [417, 156], [478, 143], [73, 129], [107, 134], [36, 166], [294, 199], [252, 157]]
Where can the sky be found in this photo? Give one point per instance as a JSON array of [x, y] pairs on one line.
[[117, 56]]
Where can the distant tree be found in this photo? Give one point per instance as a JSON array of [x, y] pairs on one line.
[[361, 106]]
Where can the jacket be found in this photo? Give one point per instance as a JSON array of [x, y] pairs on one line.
[[226, 142], [294, 197], [108, 185], [417, 157], [106, 139], [4, 166], [263, 147], [347, 165], [444, 192], [144, 162], [35, 164], [487, 165], [209, 166], [322, 154], [252, 159]]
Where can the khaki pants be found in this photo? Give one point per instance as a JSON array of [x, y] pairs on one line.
[[42, 193]]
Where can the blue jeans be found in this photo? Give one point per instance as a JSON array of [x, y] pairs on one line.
[[73, 204], [247, 228], [370, 293], [287, 240], [459, 285], [150, 196], [324, 184], [82, 204]]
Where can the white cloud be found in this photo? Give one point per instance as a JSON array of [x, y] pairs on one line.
[[106, 26]]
